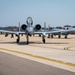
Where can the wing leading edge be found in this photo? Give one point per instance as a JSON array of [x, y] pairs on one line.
[[38, 32], [51, 32]]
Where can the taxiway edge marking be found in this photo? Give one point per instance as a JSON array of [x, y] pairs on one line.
[[40, 57]]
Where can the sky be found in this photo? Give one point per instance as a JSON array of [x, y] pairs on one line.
[[53, 12]]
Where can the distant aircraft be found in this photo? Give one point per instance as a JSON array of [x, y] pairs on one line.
[[66, 27], [29, 29]]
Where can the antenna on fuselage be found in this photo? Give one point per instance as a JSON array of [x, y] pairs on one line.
[[44, 26], [19, 26]]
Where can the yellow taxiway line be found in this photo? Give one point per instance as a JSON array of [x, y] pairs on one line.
[[40, 57]]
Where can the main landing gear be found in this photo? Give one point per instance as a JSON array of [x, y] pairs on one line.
[[18, 39], [59, 36], [48, 35], [51, 35], [12, 36], [65, 36]]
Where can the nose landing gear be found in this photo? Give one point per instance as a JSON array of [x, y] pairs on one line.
[[43, 39], [18, 39]]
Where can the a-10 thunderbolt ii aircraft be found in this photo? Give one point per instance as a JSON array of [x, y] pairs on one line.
[[29, 29]]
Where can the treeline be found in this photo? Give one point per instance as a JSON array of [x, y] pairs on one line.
[[10, 28]]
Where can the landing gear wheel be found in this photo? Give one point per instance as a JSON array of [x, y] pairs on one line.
[[51, 35], [48, 35], [17, 40], [27, 42], [39, 35], [59, 36], [43, 40], [65, 36], [27, 37]]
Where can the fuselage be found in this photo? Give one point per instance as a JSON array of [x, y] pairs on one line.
[[29, 30]]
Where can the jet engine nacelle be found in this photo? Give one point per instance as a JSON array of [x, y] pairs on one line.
[[24, 26], [38, 27]]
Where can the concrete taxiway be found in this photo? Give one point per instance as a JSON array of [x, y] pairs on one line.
[[56, 52]]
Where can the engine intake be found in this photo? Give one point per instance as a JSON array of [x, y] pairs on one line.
[[23, 26], [38, 27]]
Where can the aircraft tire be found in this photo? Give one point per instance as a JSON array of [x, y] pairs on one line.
[[65, 36], [48, 35], [27, 42], [51, 35], [17, 40], [43, 40], [59, 36]]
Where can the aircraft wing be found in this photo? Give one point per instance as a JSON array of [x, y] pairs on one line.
[[56, 31], [11, 32]]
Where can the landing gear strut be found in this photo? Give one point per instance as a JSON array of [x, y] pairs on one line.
[[43, 39], [27, 37]]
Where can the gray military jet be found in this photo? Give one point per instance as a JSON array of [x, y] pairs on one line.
[[29, 29]]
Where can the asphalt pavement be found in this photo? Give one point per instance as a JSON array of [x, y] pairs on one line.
[[14, 65]]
